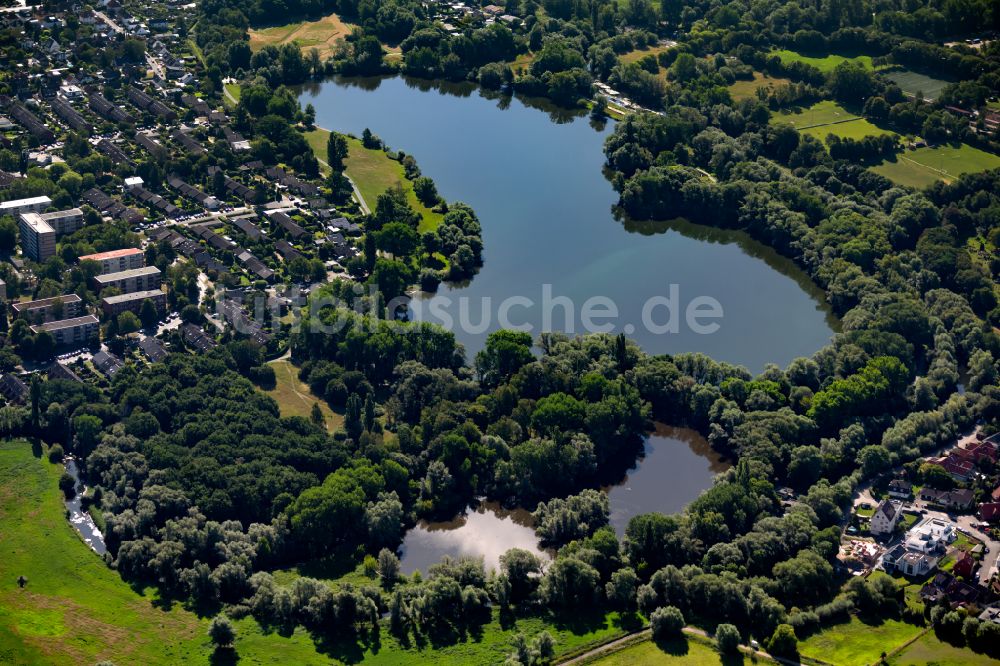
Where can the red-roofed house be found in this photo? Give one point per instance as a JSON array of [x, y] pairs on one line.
[[964, 567], [990, 512]]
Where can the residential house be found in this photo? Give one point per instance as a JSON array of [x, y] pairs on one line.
[[930, 536], [960, 499], [900, 489], [13, 389], [886, 515], [107, 364]]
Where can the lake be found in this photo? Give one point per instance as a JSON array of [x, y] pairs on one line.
[[677, 464], [534, 176]]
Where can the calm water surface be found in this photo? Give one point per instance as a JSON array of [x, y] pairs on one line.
[[677, 465], [79, 517], [534, 177]]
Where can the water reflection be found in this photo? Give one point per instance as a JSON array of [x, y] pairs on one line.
[[79, 517], [486, 531], [676, 466]]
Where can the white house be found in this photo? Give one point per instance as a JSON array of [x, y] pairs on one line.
[[885, 517], [931, 536]]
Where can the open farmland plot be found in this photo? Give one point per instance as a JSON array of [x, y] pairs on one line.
[[914, 82], [825, 63], [925, 166]]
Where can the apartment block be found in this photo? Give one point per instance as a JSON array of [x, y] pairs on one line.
[[67, 306], [146, 278], [115, 305], [29, 205], [116, 261], [38, 238], [71, 332]]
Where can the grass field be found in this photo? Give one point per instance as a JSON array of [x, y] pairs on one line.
[[914, 82], [748, 89], [74, 610], [373, 172], [855, 643], [294, 397], [928, 649], [322, 34], [924, 166], [690, 652], [825, 118], [824, 64]]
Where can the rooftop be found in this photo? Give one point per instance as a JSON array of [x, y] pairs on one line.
[[111, 254]]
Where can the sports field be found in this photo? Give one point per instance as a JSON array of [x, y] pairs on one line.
[[827, 117], [825, 63], [914, 82], [925, 166]]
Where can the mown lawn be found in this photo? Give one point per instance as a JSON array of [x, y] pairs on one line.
[[925, 166], [856, 643], [748, 89], [929, 649], [294, 397], [825, 63], [374, 172]]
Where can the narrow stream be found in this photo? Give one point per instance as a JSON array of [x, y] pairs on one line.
[[79, 518]]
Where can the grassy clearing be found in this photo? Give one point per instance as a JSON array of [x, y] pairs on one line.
[[294, 397], [856, 643], [639, 54], [929, 649], [748, 89], [522, 62], [235, 90], [914, 82], [322, 34], [824, 63], [924, 166], [374, 172]]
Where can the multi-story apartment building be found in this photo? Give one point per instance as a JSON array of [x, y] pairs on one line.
[[71, 332], [43, 310], [137, 279], [116, 261]]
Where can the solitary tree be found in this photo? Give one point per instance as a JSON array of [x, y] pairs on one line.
[[336, 151], [221, 632]]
